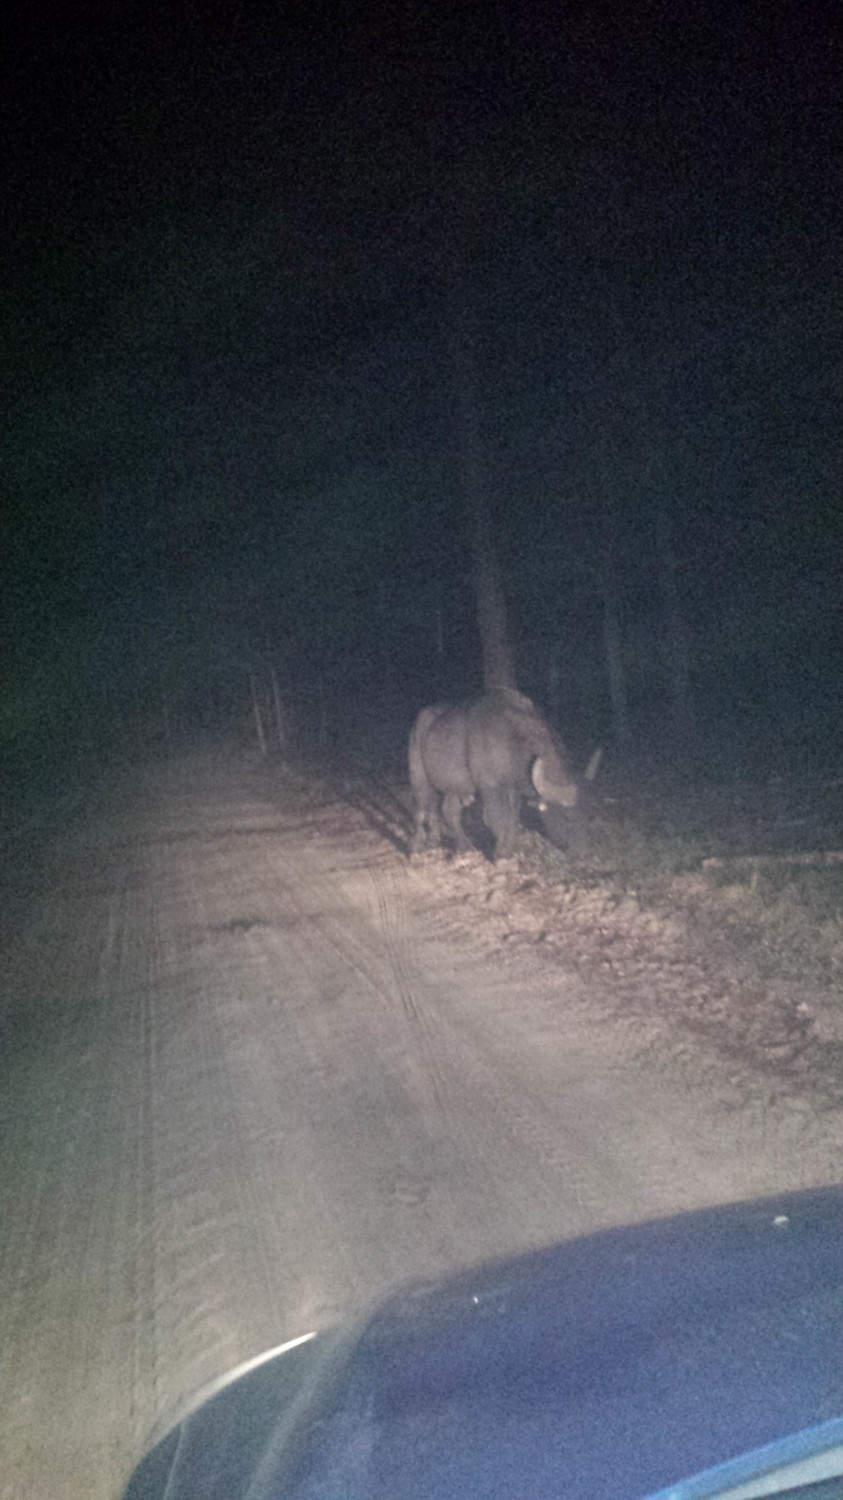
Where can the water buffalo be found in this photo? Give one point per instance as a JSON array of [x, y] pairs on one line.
[[498, 748]]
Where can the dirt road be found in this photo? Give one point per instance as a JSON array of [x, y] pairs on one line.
[[255, 1074]]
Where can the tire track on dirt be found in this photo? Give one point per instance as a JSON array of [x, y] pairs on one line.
[[464, 1101], [478, 1098], [145, 1363], [363, 928], [300, 921], [79, 1129], [205, 1210]]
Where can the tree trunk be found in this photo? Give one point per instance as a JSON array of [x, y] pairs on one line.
[[610, 594], [492, 623], [554, 683], [612, 646], [498, 664], [259, 726], [677, 652], [280, 717], [438, 618]]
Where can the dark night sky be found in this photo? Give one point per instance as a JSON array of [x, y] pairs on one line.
[[228, 393]]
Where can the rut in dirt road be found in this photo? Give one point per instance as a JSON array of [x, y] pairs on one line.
[[256, 1075]]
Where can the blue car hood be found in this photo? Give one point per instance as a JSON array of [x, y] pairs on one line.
[[609, 1366]]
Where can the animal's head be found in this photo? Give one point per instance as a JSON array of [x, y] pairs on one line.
[[552, 779], [560, 799]]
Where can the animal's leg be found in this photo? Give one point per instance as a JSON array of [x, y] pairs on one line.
[[427, 827], [500, 814], [452, 806]]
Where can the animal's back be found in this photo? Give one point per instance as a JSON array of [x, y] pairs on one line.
[[503, 731]]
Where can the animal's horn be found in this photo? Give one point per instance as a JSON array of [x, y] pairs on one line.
[[594, 764], [539, 780], [562, 793]]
